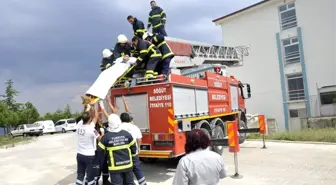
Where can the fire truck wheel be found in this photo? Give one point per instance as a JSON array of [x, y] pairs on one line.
[[218, 134], [242, 136]]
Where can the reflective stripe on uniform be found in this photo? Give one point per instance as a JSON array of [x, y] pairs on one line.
[[140, 30], [140, 59], [158, 25], [167, 55], [107, 65], [114, 148], [101, 145]]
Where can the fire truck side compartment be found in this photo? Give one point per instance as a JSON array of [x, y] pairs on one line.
[[189, 102], [138, 105]]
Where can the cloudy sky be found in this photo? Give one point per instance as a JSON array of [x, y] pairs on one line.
[[52, 48]]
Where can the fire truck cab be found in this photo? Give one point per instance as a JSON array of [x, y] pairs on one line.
[[203, 97]]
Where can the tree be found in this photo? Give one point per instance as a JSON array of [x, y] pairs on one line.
[[8, 117], [10, 94], [28, 113], [67, 112]]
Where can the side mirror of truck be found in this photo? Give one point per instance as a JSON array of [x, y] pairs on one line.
[[246, 91]]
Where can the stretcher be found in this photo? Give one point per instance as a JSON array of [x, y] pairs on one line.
[[107, 79]]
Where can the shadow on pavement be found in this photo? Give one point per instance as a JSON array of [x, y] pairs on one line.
[[159, 171]]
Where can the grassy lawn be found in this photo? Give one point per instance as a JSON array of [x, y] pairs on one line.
[[315, 135], [5, 140]]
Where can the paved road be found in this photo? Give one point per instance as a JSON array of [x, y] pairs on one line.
[[50, 161]]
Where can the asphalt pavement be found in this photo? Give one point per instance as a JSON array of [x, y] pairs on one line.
[[50, 160]]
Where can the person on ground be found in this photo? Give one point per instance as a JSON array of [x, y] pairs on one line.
[[200, 165], [157, 19], [107, 60], [138, 26], [127, 124], [100, 162], [86, 146], [149, 55], [120, 146], [167, 55]]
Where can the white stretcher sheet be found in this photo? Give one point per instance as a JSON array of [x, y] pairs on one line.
[[109, 76]]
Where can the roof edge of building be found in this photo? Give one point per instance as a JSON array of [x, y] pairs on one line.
[[216, 21]]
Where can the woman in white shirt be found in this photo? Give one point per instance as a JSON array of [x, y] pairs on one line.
[[200, 166], [86, 147]]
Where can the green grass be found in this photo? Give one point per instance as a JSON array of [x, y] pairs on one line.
[[315, 135], [6, 140]]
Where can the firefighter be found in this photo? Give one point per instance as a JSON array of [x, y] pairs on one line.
[[167, 55], [127, 124], [86, 147], [122, 47], [149, 54], [138, 26], [157, 19], [107, 60], [120, 146]]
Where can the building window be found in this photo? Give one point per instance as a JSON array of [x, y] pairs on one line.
[[328, 98], [295, 87], [291, 50], [287, 16], [297, 113]]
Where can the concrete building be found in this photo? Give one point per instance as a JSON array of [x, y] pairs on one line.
[[292, 62]]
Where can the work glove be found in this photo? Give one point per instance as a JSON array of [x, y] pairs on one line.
[[102, 131], [101, 104]]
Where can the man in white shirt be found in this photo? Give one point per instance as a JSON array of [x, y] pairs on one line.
[[86, 147], [127, 124]]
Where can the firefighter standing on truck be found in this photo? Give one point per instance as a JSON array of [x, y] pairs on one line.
[[157, 19], [149, 54], [138, 26], [120, 146], [107, 60], [167, 55]]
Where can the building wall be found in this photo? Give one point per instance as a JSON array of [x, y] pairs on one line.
[[264, 69]]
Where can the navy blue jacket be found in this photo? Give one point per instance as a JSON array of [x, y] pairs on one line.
[[146, 50], [138, 28], [159, 41], [121, 51], [157, 18]]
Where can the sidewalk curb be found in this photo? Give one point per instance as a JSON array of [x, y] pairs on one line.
[[18, 144], [295, 142]]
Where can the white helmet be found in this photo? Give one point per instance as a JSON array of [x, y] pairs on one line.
[[114, 121], [107, 53], [122, 39], [146, 34]]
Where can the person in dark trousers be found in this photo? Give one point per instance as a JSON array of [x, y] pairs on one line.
[[107, 60], [127, 124], [122, 47], [157, 19], [120, 146], [167, 54], [149, 54], [138, 26], [86, 146]]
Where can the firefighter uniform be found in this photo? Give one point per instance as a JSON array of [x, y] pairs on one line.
[[157, 19], [138, 28], [149, 54], [100, 166], [120, 147], [106, 63], [120, 51], [167, 54]]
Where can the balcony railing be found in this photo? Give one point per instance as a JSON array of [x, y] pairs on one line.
[[288, 22], [296, 95], [292, 57]]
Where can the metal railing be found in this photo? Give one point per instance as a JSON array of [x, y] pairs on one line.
[[296, 95]]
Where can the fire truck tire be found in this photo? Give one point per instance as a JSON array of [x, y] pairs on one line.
[[242, 136], [218, 134]]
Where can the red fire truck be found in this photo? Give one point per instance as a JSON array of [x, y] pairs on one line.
[[197, 94]]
